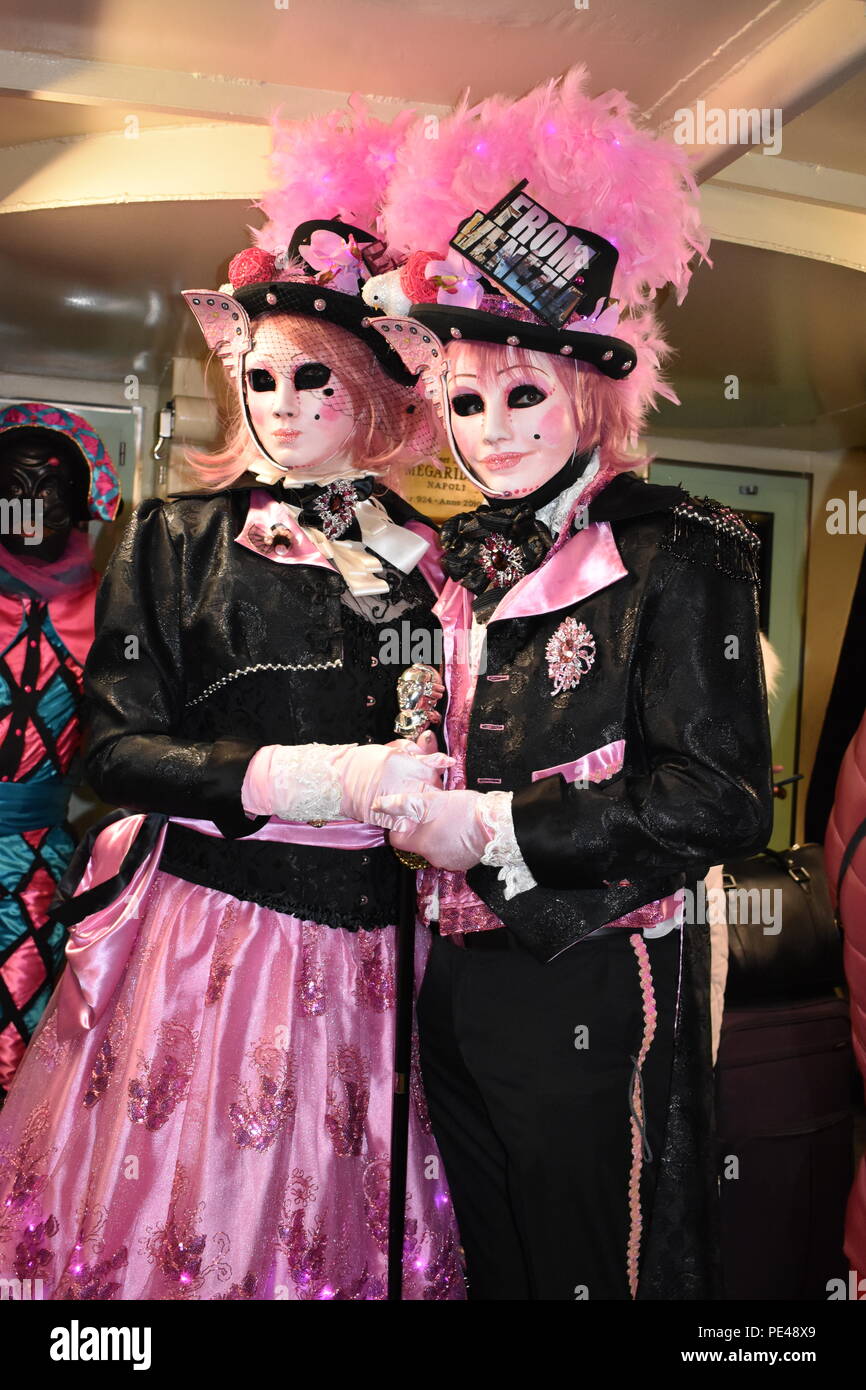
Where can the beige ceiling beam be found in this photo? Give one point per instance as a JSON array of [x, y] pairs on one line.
[[787, 178], [771, 223], [161, 164], [83, 82], [806, 60]]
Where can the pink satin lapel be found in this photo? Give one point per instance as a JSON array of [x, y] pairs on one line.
[[454, 607], [588, 562], [99, 946], [596, 766], [264, 512], [454, 611]]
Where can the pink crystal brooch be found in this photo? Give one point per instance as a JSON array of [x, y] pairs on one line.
[[570, 654]]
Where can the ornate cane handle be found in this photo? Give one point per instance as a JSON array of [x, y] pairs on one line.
[[419, 688]]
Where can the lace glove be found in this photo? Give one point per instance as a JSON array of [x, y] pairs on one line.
[[502, 851], [331, 781]]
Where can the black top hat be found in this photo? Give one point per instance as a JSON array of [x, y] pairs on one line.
[[317, 301], [612, 356], [538, 276]]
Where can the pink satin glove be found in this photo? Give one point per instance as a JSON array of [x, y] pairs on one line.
[[316, 781], [370, 771], [445, 827]]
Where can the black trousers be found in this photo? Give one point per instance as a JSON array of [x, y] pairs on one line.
[[528, 1070]]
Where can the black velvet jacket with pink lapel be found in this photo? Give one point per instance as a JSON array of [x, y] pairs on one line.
[[649, 759]]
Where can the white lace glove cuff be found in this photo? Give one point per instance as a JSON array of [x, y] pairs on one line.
[[502, 852], [296, 782]]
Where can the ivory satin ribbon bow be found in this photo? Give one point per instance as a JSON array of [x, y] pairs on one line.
[[358, 567]]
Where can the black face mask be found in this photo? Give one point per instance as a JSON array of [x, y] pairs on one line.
[[39, 466]]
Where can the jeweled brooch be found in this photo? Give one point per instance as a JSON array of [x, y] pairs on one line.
[[570, 654], [336, 506], [501, 561]]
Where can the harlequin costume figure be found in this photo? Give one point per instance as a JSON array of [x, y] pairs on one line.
[[55, 468], [607, 709], [225, 1022]]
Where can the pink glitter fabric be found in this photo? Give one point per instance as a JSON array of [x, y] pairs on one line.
[[222, 1129]]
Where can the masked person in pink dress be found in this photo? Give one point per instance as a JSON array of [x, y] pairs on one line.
[[606, 707], [205, 1110]]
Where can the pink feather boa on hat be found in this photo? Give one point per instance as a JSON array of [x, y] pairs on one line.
[[336, 165]]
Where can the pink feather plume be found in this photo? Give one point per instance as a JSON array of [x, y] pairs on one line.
[[336, 165], [584, 158]]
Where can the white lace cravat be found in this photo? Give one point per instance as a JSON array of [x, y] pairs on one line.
[[553, 513]]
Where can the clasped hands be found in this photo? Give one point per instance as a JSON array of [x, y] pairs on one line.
[[445, 827], [398, 786]]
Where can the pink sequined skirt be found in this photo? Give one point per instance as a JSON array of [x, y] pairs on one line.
[[222, 1130]]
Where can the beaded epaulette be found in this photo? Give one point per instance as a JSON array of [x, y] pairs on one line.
[[708, 533]]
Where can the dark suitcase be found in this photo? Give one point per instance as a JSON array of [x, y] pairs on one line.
[[785, 1100]]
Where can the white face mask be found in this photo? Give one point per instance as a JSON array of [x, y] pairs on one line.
[[514, 429], [298, 408]]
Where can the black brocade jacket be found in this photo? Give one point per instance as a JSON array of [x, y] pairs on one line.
[[232, 652], [673, 705], [667, 590]]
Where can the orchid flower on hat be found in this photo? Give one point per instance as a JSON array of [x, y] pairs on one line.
[[337, 260]]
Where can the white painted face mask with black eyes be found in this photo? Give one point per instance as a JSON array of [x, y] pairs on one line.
[[514, 428], [299, 413]]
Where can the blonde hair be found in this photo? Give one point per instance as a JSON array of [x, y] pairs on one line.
[[601, 414], [379, 442]]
